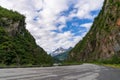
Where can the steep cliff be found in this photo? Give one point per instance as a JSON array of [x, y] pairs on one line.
[[17, 46], [103, 40]]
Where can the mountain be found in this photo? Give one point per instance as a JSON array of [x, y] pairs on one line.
[[17, 46], [102, 42], [61, 54], [58, 51]]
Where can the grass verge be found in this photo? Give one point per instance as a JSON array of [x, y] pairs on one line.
[[112, 65], [108, 65]]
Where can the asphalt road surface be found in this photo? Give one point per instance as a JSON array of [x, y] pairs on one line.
[[78, 72]]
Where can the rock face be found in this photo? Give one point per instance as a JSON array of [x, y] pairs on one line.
[[17, 46], [103, 39]]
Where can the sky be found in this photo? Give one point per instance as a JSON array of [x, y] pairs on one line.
[[56, 23]]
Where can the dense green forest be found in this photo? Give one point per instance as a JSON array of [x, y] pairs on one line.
[[17, 46]]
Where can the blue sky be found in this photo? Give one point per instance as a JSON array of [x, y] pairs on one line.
[[56, 23]]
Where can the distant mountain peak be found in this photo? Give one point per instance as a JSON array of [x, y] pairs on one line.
[[59, 50]]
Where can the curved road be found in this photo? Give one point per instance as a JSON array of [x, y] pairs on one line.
[[78, 72]]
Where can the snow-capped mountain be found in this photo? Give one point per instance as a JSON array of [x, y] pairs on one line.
[[58, 51], [63, 55]]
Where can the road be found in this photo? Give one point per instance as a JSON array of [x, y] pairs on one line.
[[78, 72]]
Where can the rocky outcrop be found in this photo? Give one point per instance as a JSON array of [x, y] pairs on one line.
[[17, 46], [103, 39], [12, 27]]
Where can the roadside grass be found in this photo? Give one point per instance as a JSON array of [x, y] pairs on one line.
[[70, 63], [23, 66], [108, 65], [112, 65], [113, 62], [2, 65]]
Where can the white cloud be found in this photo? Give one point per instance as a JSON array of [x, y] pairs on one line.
[[85, 7], [47, 13], [87, 25]]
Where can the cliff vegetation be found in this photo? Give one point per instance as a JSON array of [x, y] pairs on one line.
[[17, 46]]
